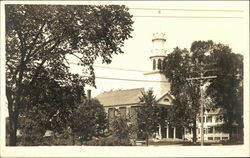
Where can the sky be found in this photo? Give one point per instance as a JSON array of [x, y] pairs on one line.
[[179, 32]]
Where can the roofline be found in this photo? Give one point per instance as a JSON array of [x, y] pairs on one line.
[[158, 38], [119, 90], [164, 96], [153, 72], [158, 56], [121, 104]]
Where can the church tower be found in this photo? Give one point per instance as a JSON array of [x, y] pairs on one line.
[[160, 84]]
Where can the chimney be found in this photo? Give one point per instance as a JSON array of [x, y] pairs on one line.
[[88, 94]]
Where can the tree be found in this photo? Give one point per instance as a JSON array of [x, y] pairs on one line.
[[47, 107], [147, 118], [227, 88], [223, 91], [39, 41], [186, 101], [88, 120], [120, 128]]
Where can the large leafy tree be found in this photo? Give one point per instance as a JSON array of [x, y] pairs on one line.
[[39, 41], [225, 91], [186, 101], [227, 88]]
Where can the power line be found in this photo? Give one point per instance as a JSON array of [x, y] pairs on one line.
[[115, 68], [182, 9]]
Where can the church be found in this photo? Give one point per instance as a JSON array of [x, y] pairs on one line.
[[126, 101]]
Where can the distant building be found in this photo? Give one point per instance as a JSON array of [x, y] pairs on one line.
[[126, 101], [213, 121]]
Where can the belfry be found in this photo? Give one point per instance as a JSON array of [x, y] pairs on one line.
[[157, 57]]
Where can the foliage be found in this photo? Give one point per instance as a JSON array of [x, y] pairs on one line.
[[108, 141], [39, 41], [224, 91], [88, 120], [227, 88], [147, 118], [178, 67], [120, 128]]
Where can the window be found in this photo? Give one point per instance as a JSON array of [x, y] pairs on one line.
[[209, 118], [217, 138], [205, 131], [166, 99], [111, 114], [163, 66], [133, 113], [159, 64], [210, 138], [154, 64], [209, 130], [122, 112], [199, 119]]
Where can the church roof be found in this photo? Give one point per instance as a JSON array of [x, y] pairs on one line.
[[120, 97]]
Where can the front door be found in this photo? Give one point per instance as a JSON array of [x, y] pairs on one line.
[[164, 132], [171, 132]]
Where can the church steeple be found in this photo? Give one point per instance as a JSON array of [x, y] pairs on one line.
[[158, 56], [158, 53]]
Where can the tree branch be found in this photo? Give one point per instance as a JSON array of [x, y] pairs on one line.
[[42, 63], [34, 41]]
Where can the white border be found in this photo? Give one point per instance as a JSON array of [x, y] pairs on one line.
[[161, 151]]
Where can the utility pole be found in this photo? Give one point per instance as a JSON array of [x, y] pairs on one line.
[[201, 79]]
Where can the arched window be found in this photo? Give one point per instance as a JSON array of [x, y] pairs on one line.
[[159, 64], [163, 64], [154, 64]]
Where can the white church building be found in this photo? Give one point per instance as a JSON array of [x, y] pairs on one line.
[[126, 101]]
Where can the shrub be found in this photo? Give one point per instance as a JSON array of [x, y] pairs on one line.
[[108, 141]]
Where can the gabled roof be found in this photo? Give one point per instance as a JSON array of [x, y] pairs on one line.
[[120, 97], [168, 101]]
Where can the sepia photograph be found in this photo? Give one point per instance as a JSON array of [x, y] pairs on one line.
[[139, 77]]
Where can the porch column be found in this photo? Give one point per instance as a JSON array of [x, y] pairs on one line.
[[160, 132], [184, 133], [174, 132], [213, 132], [167, 135]]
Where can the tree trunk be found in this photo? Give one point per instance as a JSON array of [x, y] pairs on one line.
[[13, 118], [13, 131], [194, 130], [73, 137], [147, 139]]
